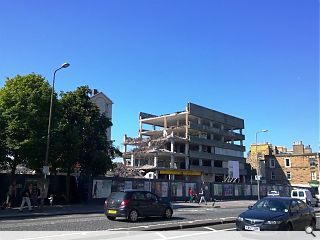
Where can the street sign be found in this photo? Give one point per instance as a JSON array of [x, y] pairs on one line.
[[45, 170], [257, 177]]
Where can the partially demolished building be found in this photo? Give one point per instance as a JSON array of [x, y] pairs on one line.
[[195, 144]]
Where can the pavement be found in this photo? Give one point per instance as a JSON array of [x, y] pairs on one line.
[[90, 209]]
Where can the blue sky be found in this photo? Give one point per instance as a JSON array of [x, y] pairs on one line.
[[257, 60]]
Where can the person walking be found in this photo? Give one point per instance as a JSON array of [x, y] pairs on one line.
[[190, 194], [201, 194], [11, 194], [35, 196], [27, 193]]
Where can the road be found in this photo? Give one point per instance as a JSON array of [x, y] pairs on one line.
[[94, 222]]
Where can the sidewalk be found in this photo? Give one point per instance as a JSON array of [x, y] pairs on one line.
[[217, 204], [51, 211], [87, 209]]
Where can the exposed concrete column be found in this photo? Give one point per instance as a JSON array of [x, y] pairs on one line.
[[187, 125], [241, 141], [211, 124], [211, 136], [132, 160], [172, 154], [124, 143], [200, 148], [155, 161], [154, 127], [200, 162], [178, 123], [187, 162], [186, 152], [140, 126], [165, 122], [199, 121]]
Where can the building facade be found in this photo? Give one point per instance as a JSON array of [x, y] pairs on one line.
[[298, 166], [198, 143], [105, 106]]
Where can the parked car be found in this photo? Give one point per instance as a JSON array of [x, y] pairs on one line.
[[273, 193], [133, 204], [304, 195], [277, 213]]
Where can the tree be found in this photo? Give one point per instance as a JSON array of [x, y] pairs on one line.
[[3, 162], [24, 108], [81, 135]]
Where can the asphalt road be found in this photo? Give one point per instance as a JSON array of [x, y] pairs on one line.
[[95, 222]]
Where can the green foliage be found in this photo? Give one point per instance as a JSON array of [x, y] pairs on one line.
[[24, 104], [78, 130], [82, 134]]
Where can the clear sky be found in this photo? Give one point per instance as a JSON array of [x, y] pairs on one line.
[[257, 60]]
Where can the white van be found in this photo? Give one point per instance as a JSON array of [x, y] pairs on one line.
[[304, 195]]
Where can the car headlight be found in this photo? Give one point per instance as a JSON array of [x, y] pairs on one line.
[[273, 222], [240, 219]]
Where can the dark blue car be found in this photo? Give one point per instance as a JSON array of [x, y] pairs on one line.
[[277, 213], [133, 204]]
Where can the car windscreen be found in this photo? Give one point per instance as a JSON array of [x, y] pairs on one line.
[[274, 205]]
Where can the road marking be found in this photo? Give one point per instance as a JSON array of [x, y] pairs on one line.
[[51, 236], [187, 235], [227, 229], [161, 235], [211, 229]]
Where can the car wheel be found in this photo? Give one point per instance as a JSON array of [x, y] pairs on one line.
[[167, 213], [133, 215], [111, 218], [289, 227]]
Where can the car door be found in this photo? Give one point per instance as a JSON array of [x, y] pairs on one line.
[[152, 202], [139, 199], [305, 216], [295, 215]]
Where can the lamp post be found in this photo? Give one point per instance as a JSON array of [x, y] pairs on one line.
[[46, 167], [258, 162]]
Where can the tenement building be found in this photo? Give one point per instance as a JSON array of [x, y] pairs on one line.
[[198, 143], [298, 166], [105, 106]]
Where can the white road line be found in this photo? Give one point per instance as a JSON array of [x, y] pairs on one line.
[[51, 236], [161, 235], [211, 229], [187, 235], [227, 229]]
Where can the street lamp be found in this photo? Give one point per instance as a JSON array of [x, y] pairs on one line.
[[46, 167], [258, 162]]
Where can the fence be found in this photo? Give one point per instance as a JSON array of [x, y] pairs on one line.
[[97, 189]]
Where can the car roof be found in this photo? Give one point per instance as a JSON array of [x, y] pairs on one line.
[[281, 198]]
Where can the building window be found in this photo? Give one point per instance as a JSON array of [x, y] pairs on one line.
[[287, 162], [206, 163], [195, 162], [204, 148], [218, 163], [313, 176], [273, 176], [272, 163], [312, 162], [289, 175]]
